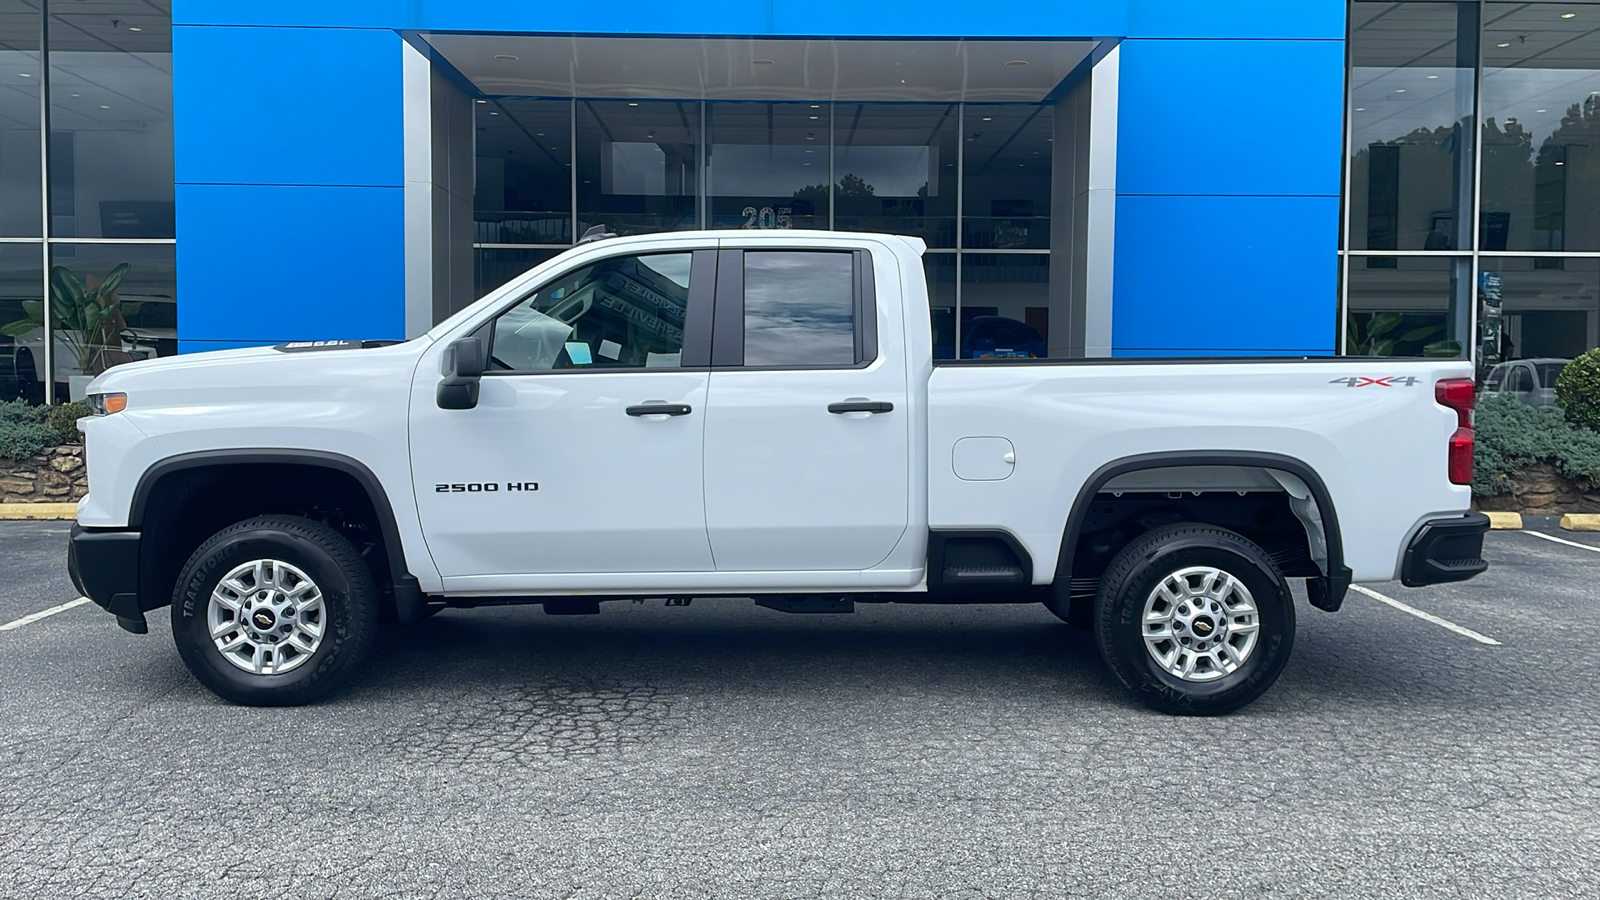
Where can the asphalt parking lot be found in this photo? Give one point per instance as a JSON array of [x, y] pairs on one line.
[[731, 751]]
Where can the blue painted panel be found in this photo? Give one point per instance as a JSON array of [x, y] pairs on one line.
[[347, 13], [269, 263], [1236, 19], [287, 106], [935, 18], [1230, 117], [1225, 275]]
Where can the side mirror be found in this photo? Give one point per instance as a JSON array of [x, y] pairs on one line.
[[464, 365]]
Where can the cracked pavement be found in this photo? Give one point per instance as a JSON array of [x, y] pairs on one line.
[[725, 750]]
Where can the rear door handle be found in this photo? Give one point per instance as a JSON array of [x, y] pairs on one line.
[[660, 409], [866, 406]]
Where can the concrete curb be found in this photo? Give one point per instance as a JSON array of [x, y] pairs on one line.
[[1505, 520], [1580, 522], [68, 511]]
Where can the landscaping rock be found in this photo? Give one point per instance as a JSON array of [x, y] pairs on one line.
[[54, 475], [1542, 490]]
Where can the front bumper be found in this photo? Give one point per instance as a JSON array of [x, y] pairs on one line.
[[1446, 550], [104, 566]]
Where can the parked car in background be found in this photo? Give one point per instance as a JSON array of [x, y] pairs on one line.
[[1533, 381]]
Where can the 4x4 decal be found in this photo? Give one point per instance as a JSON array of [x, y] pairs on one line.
[[1385, 381]]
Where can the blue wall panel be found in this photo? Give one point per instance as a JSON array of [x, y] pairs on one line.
[[287, 105], [1236, 19], [1197, 275], [315, 13], [1230, 117], [938, 18], [280, 263]]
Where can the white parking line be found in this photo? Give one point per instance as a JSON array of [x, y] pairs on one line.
[[1551, 537], [43, 614], [1426, 616]]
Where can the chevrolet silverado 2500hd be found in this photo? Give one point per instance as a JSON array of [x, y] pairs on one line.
[[758, 415]]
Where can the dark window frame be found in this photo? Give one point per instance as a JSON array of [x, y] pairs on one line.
[[727, 343], [696, 354]]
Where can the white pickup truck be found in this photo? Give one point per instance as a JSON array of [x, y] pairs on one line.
[[758, 415]]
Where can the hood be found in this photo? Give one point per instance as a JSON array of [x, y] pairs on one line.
[[260, 360]]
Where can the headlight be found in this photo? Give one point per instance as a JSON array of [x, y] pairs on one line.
[[106, 404]]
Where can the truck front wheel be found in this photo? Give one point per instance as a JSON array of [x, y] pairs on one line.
[[1196, 620], [274, 611]]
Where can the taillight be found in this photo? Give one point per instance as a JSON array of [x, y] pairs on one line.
[[1457, 394]]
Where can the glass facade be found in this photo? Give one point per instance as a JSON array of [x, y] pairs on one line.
[[1472, 205], [972, 180], [94, 77]]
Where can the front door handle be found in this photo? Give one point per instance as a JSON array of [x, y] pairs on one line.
[[866, 406], [660, 409]]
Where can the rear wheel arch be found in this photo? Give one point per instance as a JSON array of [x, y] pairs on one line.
[[171, 486], [1326, 592]]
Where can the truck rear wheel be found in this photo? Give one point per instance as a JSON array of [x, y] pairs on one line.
[[1196, 620], [274, 611]]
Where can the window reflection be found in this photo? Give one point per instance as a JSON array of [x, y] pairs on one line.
[[1541, 128], [940, 269], [22, 374], [1537, 308], [111, 119], [767, 166], [494, 266], [19, 125], [1005, 305], [799, 309], [1411, 100], [895, 169], [1408, 306], [524, 171], [638, 163], [1007, 171], [136, 289]]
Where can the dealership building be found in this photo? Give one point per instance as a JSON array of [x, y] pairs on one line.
[[1106, 177]]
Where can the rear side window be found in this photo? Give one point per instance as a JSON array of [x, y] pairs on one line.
[[799, 308], [1521, 379]]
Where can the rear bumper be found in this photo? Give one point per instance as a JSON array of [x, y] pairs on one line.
[[104, 566], [1446, 550]]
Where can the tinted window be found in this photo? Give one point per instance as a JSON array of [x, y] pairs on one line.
[[622, 312], [1549, 372], [1521, 379], [799, 308]]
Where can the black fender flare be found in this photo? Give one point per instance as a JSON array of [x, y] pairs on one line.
[[1326, 592], [409, 602]]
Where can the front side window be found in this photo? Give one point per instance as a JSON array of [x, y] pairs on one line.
[[625, 312], [799, 308]]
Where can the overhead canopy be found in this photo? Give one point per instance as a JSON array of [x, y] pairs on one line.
[[761, 69]]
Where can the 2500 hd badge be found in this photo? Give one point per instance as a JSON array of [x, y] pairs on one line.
[[484, 487]]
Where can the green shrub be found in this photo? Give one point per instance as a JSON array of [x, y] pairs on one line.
[[63, 420], [22, 429], [1578, 389], [1511, 436]]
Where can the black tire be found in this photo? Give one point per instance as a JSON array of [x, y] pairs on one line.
[[349, 601], [1136, 572]]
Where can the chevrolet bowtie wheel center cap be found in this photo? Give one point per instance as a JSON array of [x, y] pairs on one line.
[[1200, 624], [266, 617]]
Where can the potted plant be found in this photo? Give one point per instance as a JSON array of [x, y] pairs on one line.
[[88, 321]]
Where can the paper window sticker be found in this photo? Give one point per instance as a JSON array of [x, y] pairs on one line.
[[578, 352], [663, 360], [610, 349]]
